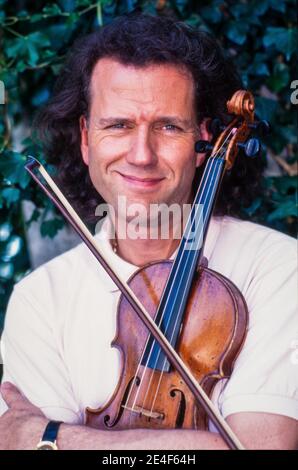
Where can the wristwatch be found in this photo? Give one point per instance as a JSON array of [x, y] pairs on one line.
[[49, 438]]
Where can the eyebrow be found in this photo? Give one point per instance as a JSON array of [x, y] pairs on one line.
[[164, 119]]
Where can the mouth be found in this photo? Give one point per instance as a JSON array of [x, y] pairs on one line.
[[141, 182]]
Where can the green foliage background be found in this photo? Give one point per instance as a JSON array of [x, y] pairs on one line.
[[261, 35]]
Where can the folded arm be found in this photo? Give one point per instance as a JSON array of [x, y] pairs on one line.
[[22, 426]]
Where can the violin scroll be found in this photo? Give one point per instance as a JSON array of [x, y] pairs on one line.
[[235, 136]]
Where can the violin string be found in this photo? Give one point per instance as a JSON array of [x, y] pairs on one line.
[[164, 363], [215, 157]]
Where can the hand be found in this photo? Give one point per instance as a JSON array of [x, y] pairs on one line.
[[22, 425]]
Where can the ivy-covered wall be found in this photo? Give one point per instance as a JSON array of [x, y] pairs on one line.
[[261, 35]]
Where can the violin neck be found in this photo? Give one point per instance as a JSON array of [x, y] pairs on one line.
[[172, 305], [196, 229]]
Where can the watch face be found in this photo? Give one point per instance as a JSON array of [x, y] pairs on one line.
[[47, 445]]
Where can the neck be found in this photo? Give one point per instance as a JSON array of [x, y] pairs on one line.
[[140, 252], [146, 249]]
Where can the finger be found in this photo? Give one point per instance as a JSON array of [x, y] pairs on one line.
[[16, 400], [11, 394]]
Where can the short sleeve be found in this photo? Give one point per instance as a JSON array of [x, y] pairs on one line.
[[32, 359], [264, 378]]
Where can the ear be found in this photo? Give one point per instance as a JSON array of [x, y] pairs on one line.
[[204, 134], [84, 139]]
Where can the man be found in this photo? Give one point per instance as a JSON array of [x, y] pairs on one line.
[[129, 105]]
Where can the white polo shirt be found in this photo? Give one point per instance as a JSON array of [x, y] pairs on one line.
[[61, 320]]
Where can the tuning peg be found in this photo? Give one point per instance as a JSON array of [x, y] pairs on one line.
[[263, 127], [252, 147], [202, 146], [215, 126]]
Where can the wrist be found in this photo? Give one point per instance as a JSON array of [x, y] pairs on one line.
[[27, 432], [49, 438]]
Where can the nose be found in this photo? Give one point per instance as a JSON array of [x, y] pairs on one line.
[[141, 152]]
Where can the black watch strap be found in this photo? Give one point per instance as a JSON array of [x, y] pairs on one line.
[[51, 431]]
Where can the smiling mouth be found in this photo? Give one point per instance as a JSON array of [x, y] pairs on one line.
[[145, 182]]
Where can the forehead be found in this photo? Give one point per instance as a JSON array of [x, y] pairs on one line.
[[166, 84]]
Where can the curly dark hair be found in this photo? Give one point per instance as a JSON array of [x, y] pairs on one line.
[[140, 39]]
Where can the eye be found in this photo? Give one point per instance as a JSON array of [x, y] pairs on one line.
[[118, 125], [172, 127]]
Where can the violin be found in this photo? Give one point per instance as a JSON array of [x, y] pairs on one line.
[[191, 321]]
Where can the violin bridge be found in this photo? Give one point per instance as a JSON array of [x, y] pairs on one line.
[[143, 412]]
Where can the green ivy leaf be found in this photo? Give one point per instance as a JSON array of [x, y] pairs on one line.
[[56, 69], [34, 217], [9, 77], [212, 13], [81, 3], [21, 66], [6, 229], [6, 271], [52, 10], [278, 5], [259, 66], [181, 6], [12, 248], [236, 31], [287, 208], [40, 96], [59, 34], [259, 7], [72, 18], [51, 227], [266, 108], [12, 168], [280, 78], [240, 9], [10, 195], [27, 48], [284, 184], [36, 17], [283, 39], [195, 21], [289, 133]]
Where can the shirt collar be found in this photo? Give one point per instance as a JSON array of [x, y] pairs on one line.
[[122, 268]]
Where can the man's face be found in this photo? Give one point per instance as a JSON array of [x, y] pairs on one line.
[[139, 141]]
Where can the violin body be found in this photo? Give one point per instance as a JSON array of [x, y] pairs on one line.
[[211, 335]]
